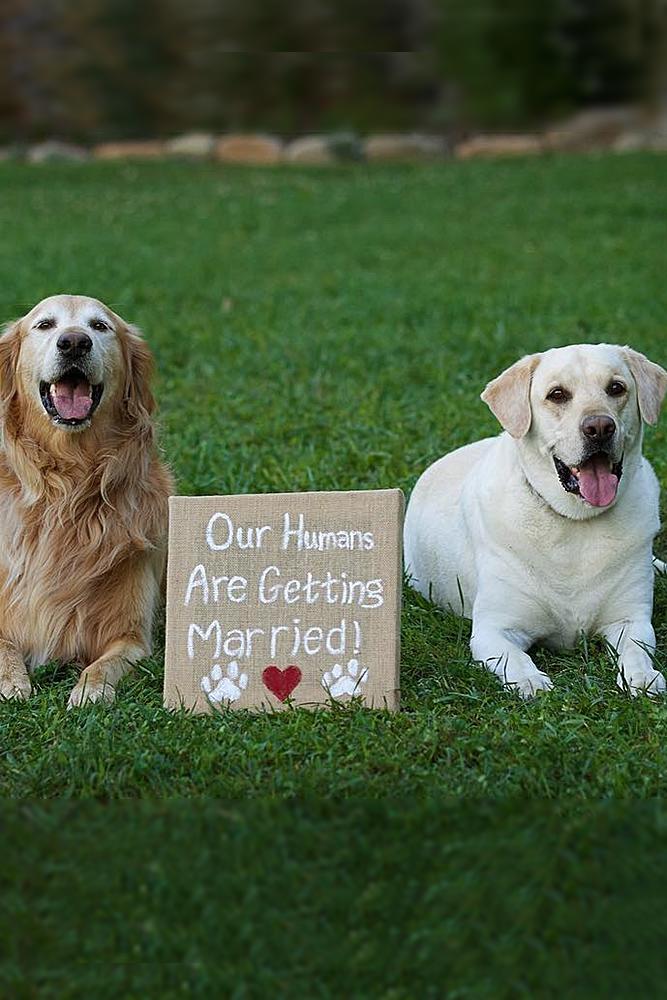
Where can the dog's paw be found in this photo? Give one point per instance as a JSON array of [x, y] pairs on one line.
[[529, 684], [339, 682], [229, 687], [643, 680], [86, 692], [15, 688]]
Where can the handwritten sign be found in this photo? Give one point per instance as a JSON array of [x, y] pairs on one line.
[[289, 598]]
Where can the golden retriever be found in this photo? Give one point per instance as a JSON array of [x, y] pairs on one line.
[[83, 497]]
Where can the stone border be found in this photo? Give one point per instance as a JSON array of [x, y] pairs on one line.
[[622, 129]]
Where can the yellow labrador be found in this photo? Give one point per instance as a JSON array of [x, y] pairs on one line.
[[546, 531]]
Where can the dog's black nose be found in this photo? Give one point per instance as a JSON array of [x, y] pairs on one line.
[[598, 428], [74, 344]]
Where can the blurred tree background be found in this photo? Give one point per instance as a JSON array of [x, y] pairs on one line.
[[103, 69]]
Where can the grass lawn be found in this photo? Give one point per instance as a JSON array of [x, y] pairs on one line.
[[333, 329], [328, 330]]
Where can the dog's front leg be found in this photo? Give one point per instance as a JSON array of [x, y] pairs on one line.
[[127, 603], [14, 679], [634, 643], [98, 681], [503, 652]]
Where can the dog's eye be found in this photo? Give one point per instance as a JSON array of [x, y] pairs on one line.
[[558, 395], [616, 388], [45, 324], [99, 325]]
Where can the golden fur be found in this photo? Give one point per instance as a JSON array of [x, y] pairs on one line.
[[83, 516]]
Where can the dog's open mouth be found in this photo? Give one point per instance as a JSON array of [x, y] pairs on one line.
[[595, 480], [71, 400]]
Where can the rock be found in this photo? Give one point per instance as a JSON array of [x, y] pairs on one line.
[[193, 144], [249, 149], [592, 129], [310, 149], [346, 146], [53, 150], [392, 148], [143, 150], [649, 140], [498, 145], [15, 152], [631, 142], [652, 136]]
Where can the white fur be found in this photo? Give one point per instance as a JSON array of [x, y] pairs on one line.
[[491, 533]]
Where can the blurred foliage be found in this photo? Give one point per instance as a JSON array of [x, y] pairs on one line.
[[117, 68]]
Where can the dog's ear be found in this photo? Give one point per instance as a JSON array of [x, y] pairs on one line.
[[131, 464], [508, 396], [10, 346], [137, 395], [651, 381]]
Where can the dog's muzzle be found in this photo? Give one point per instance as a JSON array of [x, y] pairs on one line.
[[595, 479], [70, 399], [596, 476]]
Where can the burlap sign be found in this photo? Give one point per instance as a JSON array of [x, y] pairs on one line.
[[284, 598]]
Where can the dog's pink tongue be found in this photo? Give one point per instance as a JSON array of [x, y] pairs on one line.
[[73, 401], [597, 483]]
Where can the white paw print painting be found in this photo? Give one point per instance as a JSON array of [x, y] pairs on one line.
[[345, 680], [224, 687]]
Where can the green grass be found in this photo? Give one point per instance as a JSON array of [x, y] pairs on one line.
[[465, 901], [330, 330]]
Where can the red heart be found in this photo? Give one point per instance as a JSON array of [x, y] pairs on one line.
[[281, 682]]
